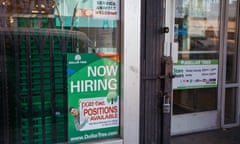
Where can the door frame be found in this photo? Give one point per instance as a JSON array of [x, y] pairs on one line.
[[154, 123], [225, 13]]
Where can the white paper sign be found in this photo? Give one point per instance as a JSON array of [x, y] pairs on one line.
[[106, 9], [195, 74]]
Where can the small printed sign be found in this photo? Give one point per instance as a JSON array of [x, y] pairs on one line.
[[191, 74], [106, 9]]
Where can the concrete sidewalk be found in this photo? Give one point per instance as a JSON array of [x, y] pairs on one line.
[[222, 136]]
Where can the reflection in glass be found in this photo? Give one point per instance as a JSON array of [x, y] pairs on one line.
[[197, 34], [232, 51], [197, 26]]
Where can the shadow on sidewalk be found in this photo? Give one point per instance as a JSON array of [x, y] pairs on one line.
[[221, 136]]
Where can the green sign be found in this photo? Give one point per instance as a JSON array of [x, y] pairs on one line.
[[193, 74], [93, 97]]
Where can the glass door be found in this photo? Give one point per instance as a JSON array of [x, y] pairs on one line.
[[195, 87]]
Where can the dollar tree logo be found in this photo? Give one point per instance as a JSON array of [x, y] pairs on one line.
[[112, 97], [77, 58]]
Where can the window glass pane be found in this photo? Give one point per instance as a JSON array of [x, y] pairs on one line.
[[197, 35], [230, 106], [196, 100], [232, 51], [197, 28], [44, 45]]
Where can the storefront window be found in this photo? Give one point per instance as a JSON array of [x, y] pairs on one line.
[[60, 70]]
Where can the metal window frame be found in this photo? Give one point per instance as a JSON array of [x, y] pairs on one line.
[[225, 85], [130, 101]]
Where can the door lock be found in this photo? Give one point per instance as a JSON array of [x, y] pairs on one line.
[[166, 104], [165, 29]]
